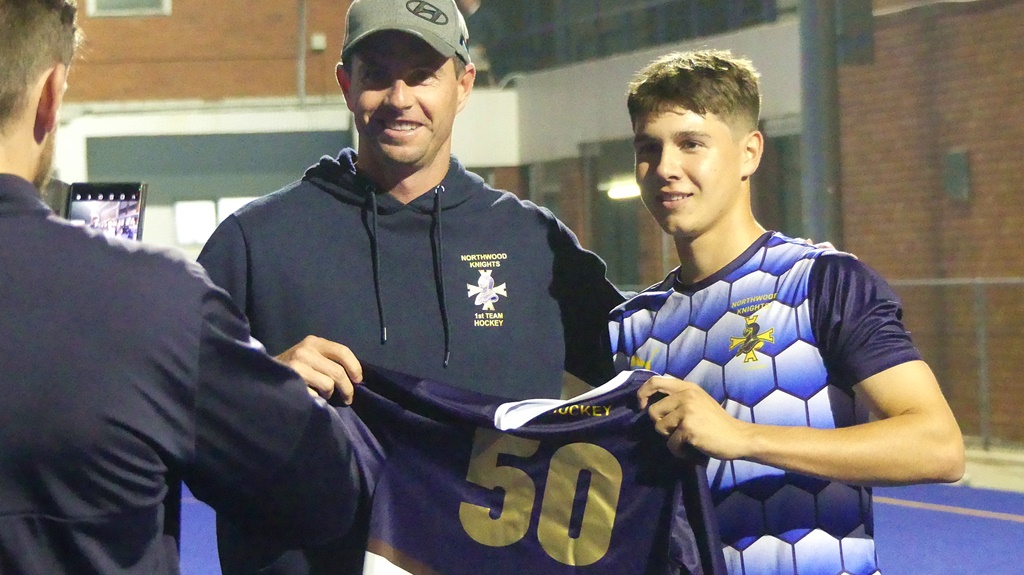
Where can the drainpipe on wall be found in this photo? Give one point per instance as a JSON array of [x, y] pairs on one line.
[[300, 65], [819, 147]]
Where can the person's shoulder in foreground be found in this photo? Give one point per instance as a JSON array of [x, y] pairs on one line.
[[830, 329], [121, 366]]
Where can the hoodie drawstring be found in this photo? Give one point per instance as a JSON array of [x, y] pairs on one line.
[[438, 270], [376, 266], [439, 267]]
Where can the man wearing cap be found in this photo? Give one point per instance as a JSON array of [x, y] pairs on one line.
[[395, 255]]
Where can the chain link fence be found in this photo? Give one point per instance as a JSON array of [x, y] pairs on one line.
[[971, 332]]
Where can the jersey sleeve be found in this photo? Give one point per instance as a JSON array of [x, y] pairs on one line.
[[265, 451], [225, 257], [857, 320], [586, 297]]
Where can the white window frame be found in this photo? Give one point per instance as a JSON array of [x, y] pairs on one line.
[[93, 12]]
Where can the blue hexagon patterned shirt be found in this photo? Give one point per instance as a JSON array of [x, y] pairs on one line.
[[780, 336]]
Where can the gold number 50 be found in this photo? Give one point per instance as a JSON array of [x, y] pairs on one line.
[[513, 520]]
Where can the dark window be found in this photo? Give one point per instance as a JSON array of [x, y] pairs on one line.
[[528, 35]]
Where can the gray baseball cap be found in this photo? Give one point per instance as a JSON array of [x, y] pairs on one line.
[[437, 22]]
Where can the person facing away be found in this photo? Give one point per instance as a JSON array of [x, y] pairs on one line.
[[788, 364], [396, 255], [123, 368]]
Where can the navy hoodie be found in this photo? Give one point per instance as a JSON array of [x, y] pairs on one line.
[[465, 284]]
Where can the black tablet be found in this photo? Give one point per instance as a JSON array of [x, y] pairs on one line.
[[114, 208]]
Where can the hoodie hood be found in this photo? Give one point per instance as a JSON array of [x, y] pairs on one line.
[[339, 177]]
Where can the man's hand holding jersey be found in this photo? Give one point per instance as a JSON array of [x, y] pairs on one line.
[[326, 366], [911, 438], [686, 414]]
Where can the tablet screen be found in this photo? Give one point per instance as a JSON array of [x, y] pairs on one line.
[[113, 208]]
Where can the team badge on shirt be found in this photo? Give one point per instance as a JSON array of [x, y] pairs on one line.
[[487, 294], [751, 340]]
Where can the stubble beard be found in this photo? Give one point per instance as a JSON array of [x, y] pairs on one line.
[[390, 162]]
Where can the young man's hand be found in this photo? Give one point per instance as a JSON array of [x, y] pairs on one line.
[[686, 414]]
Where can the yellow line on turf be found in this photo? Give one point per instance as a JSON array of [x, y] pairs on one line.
[[951, 509]]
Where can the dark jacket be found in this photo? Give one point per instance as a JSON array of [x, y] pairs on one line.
[[122, 367], [465, 284]]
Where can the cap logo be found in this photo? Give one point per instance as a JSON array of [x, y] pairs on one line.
[[427, 11]]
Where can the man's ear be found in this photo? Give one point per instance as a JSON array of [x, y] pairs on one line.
[[466, 82], [753, 147], [344, 82], [51, 97]]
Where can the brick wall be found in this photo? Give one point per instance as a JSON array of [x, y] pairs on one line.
[[945, 77], [511, 179], [206, 50], [570, 202]]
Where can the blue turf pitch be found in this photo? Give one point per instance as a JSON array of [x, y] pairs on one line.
[[919, 530]]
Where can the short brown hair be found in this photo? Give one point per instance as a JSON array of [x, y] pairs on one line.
[[34, 35], [702, 81]]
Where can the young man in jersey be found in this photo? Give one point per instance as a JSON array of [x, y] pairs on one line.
[[120, 370], [395, 255], [792, 368]]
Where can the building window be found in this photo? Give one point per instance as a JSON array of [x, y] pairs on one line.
[[129, 7], [527, 35], [194, 221]]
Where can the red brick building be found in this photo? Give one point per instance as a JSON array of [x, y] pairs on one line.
[[207, 51]]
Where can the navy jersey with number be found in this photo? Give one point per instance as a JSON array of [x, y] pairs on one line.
[[467, 484]]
